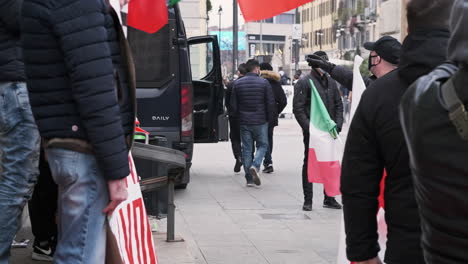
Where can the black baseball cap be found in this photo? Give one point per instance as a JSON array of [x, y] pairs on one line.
[[388, 48]]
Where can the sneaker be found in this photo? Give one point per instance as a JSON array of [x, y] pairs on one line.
[[43, 251], [307, 207], [237, 167], [250, 184], [255, 176], [268, 169], [331, 203]]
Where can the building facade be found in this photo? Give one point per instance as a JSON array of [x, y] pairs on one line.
[[271, 40], [339, 27], [393, 20]]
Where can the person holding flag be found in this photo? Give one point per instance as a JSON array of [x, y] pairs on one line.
[[326, 87], [384, 58]]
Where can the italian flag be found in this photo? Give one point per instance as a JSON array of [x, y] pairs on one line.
[[325, 147], [148, 15], [253, 10]]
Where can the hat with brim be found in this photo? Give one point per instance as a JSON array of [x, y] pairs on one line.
[[387, 47]]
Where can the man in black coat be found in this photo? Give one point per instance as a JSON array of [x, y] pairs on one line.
[[82, 91], [19, 137], [328, 90], [439, 148], [252, 101], [280, 103], [384, 58], [376, 142], [234, 125]]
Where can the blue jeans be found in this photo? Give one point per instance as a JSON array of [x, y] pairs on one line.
[[249, 135], [82, 196], [19, 147]]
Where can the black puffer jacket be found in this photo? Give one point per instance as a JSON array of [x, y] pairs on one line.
[[329, 93], [280, 97], [77, 77], [375, 141], [252, 100], [11, 61]]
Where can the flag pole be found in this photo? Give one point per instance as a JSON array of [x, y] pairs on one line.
[[235, 31]]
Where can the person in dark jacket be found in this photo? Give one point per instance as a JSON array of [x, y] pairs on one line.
[[384, 58], [234, 126], [439, 151], [82, 90], [328, 90], [19, 137], [376, 143], [252, 101], [280, 103]]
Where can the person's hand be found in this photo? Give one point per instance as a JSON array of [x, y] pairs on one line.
[[375, 260], [117, 193], [123, 2], [317, 62]]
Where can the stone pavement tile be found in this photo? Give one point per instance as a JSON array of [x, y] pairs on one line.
[[233, 255], [172, 253], [222, 240], [289, 255]]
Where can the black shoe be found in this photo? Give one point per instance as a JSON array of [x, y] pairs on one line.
[[307, 207], [255, 176], [43, 251], [268, 169], [237, 167], [331, 203]]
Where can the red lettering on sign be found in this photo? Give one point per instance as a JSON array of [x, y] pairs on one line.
[[127, 236], [149, 241], [137, 204]]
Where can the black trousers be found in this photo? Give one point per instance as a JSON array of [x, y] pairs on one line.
[[235, 137], [307, 186], [43, 204]]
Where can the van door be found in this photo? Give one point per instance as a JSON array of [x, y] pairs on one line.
[[209, 115]]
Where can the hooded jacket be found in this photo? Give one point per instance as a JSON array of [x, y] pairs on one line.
[[79, 79], [439, 154], [376, 142], [11, 59], [328, 90], [280, 97]]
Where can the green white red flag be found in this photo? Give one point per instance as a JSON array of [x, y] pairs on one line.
[[325, 147], [253, 10]]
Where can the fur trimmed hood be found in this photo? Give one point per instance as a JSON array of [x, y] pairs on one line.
[[270, 75]]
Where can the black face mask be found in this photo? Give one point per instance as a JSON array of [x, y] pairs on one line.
[[370, 65]]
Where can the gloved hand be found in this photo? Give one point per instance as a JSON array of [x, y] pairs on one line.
[[317, 62]]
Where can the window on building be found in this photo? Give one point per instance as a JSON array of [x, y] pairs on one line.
[[284, 19], [268, 20]]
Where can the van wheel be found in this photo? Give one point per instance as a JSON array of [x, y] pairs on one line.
[[182, 186]]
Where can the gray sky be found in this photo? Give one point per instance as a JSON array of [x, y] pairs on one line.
[[226, 17]]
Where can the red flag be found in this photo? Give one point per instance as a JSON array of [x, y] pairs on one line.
[[147, 15], [253, 10]]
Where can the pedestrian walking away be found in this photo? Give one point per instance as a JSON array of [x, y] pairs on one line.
[[330, 95], [19, 137], [82, 91], [252, 101], [376, 142], [234, 125], [439, 166], [280, 103]]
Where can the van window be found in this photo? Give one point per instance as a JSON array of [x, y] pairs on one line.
[[201, 60], [149, 51]]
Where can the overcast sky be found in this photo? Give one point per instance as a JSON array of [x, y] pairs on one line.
[[226, 17]]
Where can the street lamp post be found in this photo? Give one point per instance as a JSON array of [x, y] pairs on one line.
[[220, 12], [235, 46]]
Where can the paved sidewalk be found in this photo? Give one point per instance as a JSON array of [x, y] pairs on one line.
[[224, 222]]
